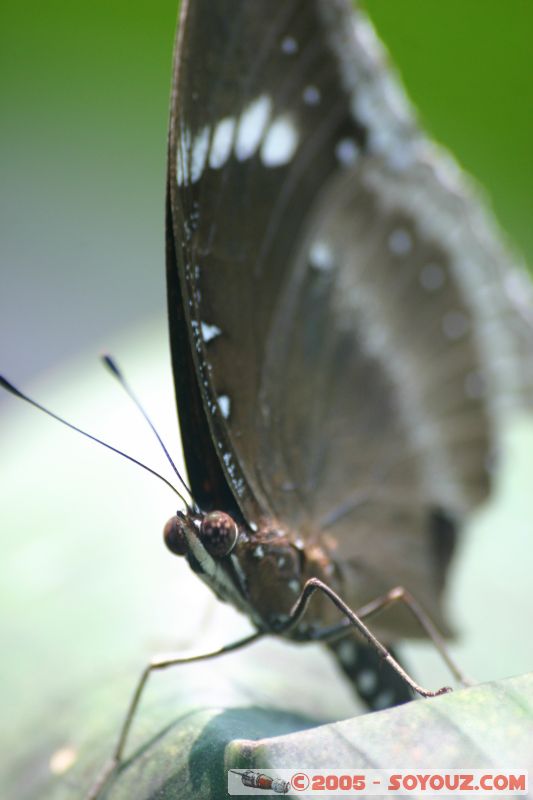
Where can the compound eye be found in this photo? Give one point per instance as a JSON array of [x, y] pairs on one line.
[[174, 536], [218, 533]]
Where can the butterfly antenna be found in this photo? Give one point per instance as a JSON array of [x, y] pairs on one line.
[[17, 393], [113, 368]]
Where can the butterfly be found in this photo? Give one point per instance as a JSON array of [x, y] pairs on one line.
[[346, 326], [347, 330]]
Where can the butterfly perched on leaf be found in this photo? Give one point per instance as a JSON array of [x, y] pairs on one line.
[[344, 321], [347, 327]]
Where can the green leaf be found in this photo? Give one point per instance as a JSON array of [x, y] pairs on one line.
[[187, 755]]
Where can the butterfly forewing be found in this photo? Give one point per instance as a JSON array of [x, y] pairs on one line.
[[272, 105]]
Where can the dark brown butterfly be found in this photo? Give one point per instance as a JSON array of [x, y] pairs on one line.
[[346, 330], [343, 322]]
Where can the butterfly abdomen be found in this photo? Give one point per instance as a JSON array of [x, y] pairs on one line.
[[374, 680]]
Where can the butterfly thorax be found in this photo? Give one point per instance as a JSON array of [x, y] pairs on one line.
[[260, 570]]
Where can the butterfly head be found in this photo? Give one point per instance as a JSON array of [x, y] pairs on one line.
[[215, 532], [260, 571]]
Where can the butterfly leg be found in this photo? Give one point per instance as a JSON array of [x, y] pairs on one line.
[[155, 665], [298, 610], [401, 595], [378, 685]]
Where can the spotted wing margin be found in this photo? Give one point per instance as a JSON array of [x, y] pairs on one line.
[[354, 338]]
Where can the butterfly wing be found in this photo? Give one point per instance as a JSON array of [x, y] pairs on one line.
[[353, 337]]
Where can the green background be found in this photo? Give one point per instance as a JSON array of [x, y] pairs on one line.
[[84, 97]]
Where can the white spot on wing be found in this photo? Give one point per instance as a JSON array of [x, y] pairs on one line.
[[367, 681], [395, 98], [236, 482], [259, 551], [366, 38], [251, 127], [280, 142], [199, 154], [222, 141], [321, 256], [182, 154], [224, 403], [347, 652], [289, 45], [180, 173], [400, 242], [311, 95], [210, 331], [519, 289], [346, 151]]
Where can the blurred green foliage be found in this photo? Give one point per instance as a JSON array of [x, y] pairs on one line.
[[467, 66], [84, 89]]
